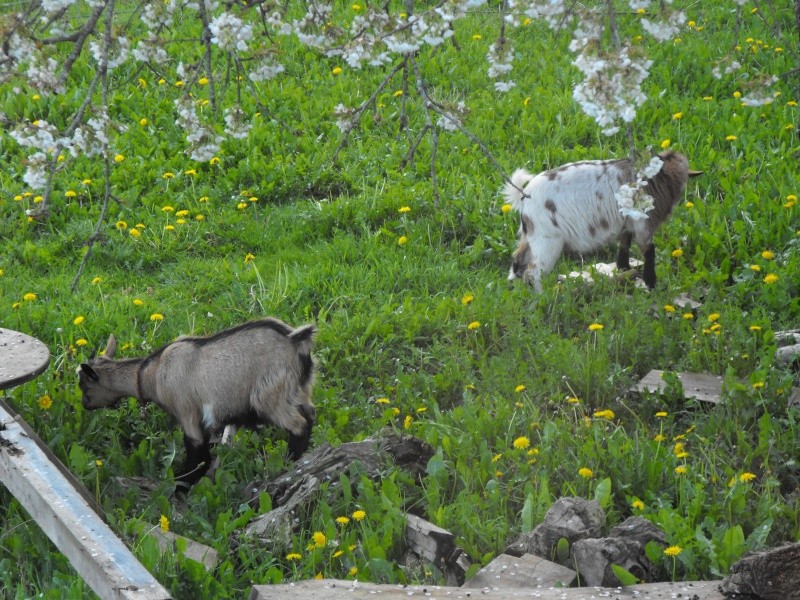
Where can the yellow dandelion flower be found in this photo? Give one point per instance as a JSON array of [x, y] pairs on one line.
[[383, 401], [407, 421], [680, 470], [137, 302], [669, 308], [660, 438], [526, 101], [519, 388], [191, 172], [467, 298], [755, 268], [398, 93], [143, 122], [168, 175], [770, 278], [29, 297], [476, 36], [677, 116], [342, 520], [747, 477], [78, 320], [336, 70], [604, 414], [45, 402], [596, 327], [404, 209], [402, 240], [473, 325], [665, 144], [182, 213], [637, 504], [293, 556], [673, 551], [81, 342], [688, 316], [505, 208], [755, 328], [677, 253], [521, 443], [214, 160], [156, 317], [661, 414], [689, 204], [337, 554], [730, 138], [241, 205], [203, 81], [573, 400], [585, 472], [359, 515], [96, 280], [70, 193], [169, 228], [713, 317], [200, 218], [319, 539], [179, 83], [767, 255], [164, 523], [248, 258], [353, 571], [135, 232], [121, 225], [119, 158], [758, 385]]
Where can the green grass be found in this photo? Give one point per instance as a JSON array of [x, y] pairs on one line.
[[394, 318]]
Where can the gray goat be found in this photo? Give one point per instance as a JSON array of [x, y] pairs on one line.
[[574, 207], [258, 373]]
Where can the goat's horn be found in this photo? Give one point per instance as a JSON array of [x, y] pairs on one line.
[[694, 173]]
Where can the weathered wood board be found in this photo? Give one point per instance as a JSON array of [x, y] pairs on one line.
[[524, 572], [702, 386], [41, 485], [334, 589], [168, 542]]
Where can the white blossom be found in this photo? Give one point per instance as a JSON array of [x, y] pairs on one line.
[[53, 6], [345, 120], [149, 51], [230, 32], [266, 69], [235, 124], [36, 173]]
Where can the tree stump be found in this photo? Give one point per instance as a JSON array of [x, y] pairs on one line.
[[298, 488], [769, 575]]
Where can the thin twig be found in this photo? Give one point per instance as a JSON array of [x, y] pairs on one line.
[[360, 110]]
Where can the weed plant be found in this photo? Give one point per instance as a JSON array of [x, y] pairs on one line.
[[522, 396]]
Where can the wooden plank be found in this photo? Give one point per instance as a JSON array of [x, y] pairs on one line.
[[336, 589], [67, 518], [702, 386], [525, 572]]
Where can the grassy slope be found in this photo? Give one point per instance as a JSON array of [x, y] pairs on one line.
[[394, 323]]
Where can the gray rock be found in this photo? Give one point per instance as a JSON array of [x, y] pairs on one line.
[[570, 518], [593, 559]]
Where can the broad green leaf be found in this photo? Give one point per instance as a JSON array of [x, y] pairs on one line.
[[625, 577]]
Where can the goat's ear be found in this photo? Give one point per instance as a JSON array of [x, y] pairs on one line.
[[111, 347], [89, 372], [694, 173]]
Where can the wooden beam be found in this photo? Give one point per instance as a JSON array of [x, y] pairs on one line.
[[336, 589], [39, 482]]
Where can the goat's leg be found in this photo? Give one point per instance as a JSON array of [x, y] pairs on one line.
[[649, 272], [624, 256], [198, 460]]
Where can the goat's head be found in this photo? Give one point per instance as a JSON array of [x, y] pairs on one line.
[[520, 260], [94, 379]]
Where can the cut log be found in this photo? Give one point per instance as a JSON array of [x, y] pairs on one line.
[[437, 546], [770, 575], [299, 487], [521, 572], [336, 589]]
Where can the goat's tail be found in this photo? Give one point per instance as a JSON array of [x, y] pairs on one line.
[[513, 190], [303, 338]]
